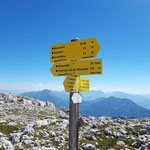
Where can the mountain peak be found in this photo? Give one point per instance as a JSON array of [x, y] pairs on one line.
[[114, 107]]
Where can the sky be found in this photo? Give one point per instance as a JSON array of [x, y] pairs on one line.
[[29, 27]]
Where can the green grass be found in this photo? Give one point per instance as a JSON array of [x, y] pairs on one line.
[[137, 129], [52, 124], [105, 143], [7, 129], [127, 123]]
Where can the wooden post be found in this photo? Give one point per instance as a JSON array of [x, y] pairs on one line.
[[73, 120]]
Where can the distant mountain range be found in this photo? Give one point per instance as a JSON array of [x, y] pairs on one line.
[[142, 100], [139, 99], [113, 107], [147, 95], [108, 106], [97, 94], [59, 99]]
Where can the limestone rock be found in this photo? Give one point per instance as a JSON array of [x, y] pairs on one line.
[[4, 143], [89, 147], [120, 143]]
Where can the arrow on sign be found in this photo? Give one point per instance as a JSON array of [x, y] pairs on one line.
[[76, 84], [71, 84], [86, 67], [76, 50]]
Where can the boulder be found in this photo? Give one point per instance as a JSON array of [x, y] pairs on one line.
[[12, 124], [90, 137], [15, 137], [89, 147], [4, 143], [108, 131], [120, 143]]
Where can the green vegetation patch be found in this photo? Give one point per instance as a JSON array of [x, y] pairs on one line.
[[2, 149], [137, 129], [106, 142], [7, 129]]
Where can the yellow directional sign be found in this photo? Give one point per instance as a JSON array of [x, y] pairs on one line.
[[71, 84], [76, 84], [86, 67], [84, 85], [82, 49]]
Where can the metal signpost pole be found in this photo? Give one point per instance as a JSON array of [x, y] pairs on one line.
[[73, 124], [73, 120]]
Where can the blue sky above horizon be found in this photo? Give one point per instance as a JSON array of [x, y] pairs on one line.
[[28, 28]]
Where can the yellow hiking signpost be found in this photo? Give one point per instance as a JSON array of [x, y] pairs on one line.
[[66, 58], [86, 67], [71, 84], [84, 85], [76, 84], [83, 49]]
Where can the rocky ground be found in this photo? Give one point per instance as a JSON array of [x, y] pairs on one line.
[[31, 124]]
